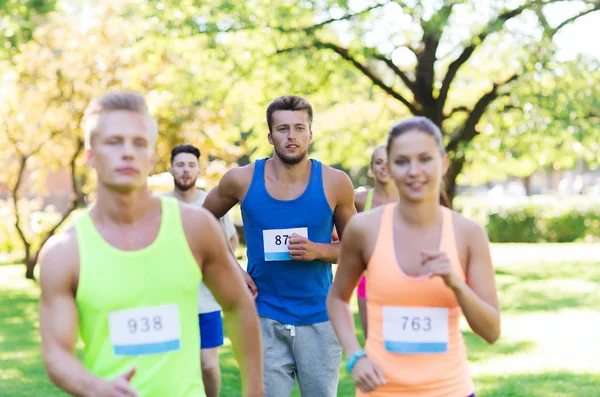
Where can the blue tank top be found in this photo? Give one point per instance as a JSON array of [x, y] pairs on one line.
[[290, 292]]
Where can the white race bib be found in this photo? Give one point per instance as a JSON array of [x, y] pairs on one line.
[[152, 330], [415, 330], [276, 242]]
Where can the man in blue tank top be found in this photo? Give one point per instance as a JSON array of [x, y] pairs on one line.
[[290, 204]]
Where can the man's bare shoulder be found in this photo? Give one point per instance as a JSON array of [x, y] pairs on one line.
[[192, 214], [202, 230], [238, 176], [60, 255], [337, 178], [198, 223], [331, 172], [63, 244]]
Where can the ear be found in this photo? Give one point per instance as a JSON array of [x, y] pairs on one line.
[[171, 171], [310, 136], [270, 137], [445, 163], [89, 157]]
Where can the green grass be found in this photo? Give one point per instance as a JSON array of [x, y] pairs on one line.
[[550, 295]]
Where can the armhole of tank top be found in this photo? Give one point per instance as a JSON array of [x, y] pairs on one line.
[[170, 207], [449, 234], [175, 223], [380, 239], [369, 200], [79, 225], [255, 174], [319, 182]]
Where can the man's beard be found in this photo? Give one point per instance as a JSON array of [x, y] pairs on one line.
[[185, 187], [291, 160]]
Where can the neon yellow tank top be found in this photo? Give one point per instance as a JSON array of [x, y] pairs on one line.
[[369, 200], [139, 308]]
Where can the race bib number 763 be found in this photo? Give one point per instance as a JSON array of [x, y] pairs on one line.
[[415, 330]]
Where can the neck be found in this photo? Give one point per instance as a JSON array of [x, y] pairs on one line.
[[419, 214], [187, 196], [290, 173], [386, 191], [122, 208]]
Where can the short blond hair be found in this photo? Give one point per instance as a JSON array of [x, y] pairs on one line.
[[110, 102]]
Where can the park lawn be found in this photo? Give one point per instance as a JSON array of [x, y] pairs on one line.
[[550, 295]]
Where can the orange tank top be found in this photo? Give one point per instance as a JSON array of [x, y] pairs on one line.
[[414, 334]]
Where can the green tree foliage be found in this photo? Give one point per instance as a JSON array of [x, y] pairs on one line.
[[447, 60], [546, 124], [48, 84], [18, 19]]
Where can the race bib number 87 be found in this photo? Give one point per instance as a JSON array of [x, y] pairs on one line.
[[152, 330], [415, 330], [276, 242]]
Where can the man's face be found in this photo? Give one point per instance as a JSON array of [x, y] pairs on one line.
[[185, 169], [291, 135], [122, 150]]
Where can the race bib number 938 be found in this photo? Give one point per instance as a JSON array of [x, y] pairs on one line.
[[151, 330]]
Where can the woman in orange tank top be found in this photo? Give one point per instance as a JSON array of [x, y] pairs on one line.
[[427, 265]]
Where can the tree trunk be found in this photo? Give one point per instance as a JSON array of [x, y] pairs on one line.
[[20, 231], [455, 168], [240, 230], [30, 266], [77, 199], [29, 261], [527, 185]]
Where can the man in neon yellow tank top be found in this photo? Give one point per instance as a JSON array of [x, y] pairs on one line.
[[126, 276]]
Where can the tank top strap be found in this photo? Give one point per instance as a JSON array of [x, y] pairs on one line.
[[448, 243], [387, 222], [369, 200], [171, 215], [316, 173], [258, 176], [83, 224], [259, 166], [315, 183], [257, 182], [384, 246], [87, 235]]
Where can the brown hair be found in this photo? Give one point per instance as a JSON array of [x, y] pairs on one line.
[[184, 148], [289, 102], [114, 101], [422, 124]]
